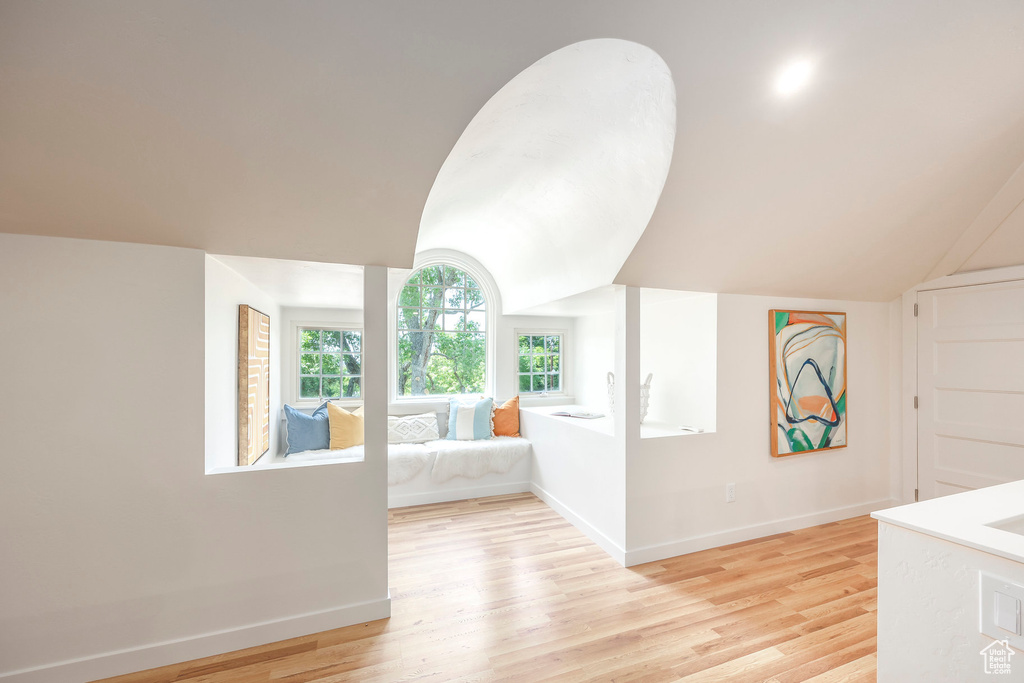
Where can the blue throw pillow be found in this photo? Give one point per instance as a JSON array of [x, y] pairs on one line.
[[307, 432], [470, 420]]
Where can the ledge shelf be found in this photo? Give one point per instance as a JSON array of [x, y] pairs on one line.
[[602, 425]]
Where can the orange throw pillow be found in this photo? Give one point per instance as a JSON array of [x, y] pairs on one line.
[[506, 418]]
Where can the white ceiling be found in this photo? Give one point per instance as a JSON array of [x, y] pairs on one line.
[[657, 297], [555, 179], [601, 300], [314, 130], [1005, 247], [594, 302], [855, 188], [301, 283]]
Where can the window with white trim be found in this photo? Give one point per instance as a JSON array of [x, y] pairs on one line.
[[540, 363], [442, 334], [330, 363]]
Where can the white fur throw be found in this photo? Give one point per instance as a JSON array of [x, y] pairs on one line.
[[405, 460], [470, 459], [474, 459]]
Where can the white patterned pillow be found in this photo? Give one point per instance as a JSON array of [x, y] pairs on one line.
[[412, 428]]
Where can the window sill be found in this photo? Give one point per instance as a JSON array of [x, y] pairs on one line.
[[348, 404], [282, 464], [665, 430], [438, 398], [416, 405], [547, 400]]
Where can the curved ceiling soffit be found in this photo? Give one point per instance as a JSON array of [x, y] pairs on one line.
[[555, 179]]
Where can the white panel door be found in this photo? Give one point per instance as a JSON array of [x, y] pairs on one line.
[[970, 377]]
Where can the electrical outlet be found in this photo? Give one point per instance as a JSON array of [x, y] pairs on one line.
[[730, 493]]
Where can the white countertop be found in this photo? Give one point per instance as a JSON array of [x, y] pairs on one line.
[[606, 424], [603, 425], [966, 519]]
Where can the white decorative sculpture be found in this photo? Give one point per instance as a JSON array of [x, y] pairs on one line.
[[645, 396], [611, 393]]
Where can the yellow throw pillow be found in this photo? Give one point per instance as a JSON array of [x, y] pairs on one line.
[[346, 427]]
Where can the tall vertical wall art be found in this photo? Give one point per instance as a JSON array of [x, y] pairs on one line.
[[253, 384], [807, 386]]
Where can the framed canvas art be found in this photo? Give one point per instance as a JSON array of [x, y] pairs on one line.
[[807, 381], [253, 384]]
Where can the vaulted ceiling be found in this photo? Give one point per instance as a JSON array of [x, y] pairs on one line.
[[314, 130], [555, 179]]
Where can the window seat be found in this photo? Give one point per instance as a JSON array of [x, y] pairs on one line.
[[457, 470], [443, 470]]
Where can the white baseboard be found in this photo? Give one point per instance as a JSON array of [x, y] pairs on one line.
[[607, 544], [661, 551], [402, 500], [171, 652]]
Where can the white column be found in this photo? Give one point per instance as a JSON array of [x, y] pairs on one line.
[[627, 367], [627, 402], [375, 394]]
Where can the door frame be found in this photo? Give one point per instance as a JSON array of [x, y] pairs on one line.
[[902, 406]]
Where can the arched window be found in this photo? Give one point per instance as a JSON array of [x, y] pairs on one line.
[[442, 334]]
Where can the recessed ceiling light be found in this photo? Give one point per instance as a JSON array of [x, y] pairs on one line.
[[793, 77]]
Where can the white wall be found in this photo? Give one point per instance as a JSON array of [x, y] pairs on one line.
[[896, 476], [118, 551], [580, 465], [578, 471], [676, 485], [594, 357], [225, 290], [678, 344], [1004, 245]]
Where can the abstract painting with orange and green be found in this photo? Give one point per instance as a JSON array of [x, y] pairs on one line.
[[807, 356]]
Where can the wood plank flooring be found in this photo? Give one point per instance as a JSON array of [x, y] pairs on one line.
[[504, 589]]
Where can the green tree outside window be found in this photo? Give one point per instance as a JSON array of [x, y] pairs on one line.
[[442, 336], [330, 363]]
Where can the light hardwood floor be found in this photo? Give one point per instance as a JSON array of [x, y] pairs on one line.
[[504, 589]]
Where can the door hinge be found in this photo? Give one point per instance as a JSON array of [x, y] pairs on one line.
[[915, 402], [915, 310], [916, 497]]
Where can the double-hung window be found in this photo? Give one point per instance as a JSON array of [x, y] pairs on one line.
[[540, 363], [330, 363]]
